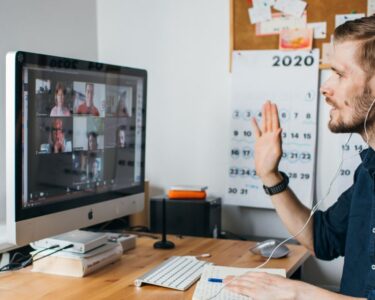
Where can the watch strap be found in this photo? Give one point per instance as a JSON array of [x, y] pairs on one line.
[[278, 188]]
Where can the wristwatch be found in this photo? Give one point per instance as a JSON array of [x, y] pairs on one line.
[[278, 188]]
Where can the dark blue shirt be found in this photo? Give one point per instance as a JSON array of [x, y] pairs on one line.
[[347, 229]]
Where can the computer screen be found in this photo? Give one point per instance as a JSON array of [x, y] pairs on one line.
[[76, 135]]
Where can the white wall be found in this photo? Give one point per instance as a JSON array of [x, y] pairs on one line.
[[184, 45], [64, 28]]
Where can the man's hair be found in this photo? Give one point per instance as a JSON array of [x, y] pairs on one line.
[[363, 31], [56, 122], [93, 133]]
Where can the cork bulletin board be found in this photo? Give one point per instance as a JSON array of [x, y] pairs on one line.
[[243, 35]]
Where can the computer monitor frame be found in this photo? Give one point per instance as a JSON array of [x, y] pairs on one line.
[[27, 224]]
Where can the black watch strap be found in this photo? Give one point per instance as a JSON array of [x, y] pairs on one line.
[[278, 188]]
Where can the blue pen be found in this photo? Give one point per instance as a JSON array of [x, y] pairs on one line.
[[215, 280]]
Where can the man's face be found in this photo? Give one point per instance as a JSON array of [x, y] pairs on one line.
[[92, 143], [347, 90], [89, 94]]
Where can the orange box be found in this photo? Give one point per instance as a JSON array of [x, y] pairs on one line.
[[173, 194]]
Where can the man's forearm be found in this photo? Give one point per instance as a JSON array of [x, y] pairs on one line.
[[294, 216], [291, 211]]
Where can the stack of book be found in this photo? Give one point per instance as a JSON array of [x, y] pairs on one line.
[[74, 263], [187, 192]]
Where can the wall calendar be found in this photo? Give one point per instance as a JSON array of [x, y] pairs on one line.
[[289, 79]]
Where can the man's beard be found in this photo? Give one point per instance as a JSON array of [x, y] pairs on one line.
[[361, 106]]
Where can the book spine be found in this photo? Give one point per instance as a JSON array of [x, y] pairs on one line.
[[96, 262]]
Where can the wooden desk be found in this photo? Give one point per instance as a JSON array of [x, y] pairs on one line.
[[116, 281]]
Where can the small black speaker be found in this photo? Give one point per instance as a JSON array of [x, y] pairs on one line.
[[187, 217]]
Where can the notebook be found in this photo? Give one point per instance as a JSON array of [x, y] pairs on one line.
[[205, 289]]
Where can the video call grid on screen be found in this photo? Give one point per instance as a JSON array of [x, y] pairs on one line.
[[82, 133]]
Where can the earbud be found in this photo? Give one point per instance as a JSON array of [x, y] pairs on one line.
[[364, 124]]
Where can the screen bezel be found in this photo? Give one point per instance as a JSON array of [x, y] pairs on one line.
[[21, 59]]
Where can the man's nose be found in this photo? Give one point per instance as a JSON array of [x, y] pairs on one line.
[[326, 91]]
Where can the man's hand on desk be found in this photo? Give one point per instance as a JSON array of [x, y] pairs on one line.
[[264, 286], [259, 286]]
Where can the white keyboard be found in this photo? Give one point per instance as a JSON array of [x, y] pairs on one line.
[[177, 272]]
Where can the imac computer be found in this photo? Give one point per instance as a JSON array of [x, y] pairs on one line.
[[75, 145]]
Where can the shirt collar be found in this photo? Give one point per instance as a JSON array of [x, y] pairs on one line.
[[368, 159]]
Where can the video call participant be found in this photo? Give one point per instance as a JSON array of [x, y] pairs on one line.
[[347, 228], [121, 137], [92, 141], [88, 107], [94, 171], [59, 110], [80, 165], [57, 140], [122, 110]]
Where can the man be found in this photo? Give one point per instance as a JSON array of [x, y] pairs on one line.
[[57, 140], [88, 108], [94, 170], [348, 227], [92, 141]]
